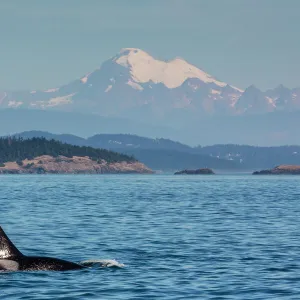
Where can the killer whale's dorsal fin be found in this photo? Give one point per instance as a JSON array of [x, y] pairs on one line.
[[7, 248]]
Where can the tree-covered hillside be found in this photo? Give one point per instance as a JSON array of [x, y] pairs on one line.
[[18, 149]]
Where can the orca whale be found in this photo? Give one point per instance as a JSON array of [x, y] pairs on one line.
[[11, 259]]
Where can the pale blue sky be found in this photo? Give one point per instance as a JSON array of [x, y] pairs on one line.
[[47, 43]]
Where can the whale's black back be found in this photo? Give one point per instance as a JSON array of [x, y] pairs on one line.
[[35, 263], [7, 248], [12, 259]]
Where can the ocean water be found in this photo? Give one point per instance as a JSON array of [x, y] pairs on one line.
[[179, 237]]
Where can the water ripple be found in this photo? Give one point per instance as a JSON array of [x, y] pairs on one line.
[[217, 237]]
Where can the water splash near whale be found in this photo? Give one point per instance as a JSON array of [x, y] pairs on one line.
[[103, 263]]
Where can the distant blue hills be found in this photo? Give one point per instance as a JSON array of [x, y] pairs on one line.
[[168, 155], [273, 129]]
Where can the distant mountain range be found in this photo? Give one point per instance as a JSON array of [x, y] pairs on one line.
[[17, 120], [264, 130], [168, 155], [133, 83], [135, 93]]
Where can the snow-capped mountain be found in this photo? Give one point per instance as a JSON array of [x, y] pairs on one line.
[[144, 69], [136, 85]]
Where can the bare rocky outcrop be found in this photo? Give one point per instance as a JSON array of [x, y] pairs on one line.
[[205, 171], [280, 170], [76, 165]]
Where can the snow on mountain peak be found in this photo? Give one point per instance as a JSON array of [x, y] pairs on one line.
[[144, 68]]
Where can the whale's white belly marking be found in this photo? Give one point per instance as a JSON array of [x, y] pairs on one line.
[[8, 265]]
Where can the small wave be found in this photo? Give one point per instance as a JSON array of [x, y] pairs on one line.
[[279, 269], [104, 263]]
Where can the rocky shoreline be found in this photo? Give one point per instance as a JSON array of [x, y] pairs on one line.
[[76, 165], [280, 170]]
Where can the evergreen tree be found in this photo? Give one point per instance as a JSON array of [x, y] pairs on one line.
[[18, 149]]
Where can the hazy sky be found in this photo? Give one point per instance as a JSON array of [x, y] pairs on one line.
[[47, 43]]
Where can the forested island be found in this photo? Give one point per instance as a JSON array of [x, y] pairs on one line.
[[39, 155]]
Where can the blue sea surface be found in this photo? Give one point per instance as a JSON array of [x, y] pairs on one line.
[[179, 237]]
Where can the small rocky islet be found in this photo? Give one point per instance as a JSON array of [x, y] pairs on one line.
[[280, 170], [203, 171]]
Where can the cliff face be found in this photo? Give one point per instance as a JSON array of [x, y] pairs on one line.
[[280, 170], [76, 165]]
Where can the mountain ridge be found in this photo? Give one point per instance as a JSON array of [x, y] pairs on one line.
[[166, 154], [129, 93], [133, 80]]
